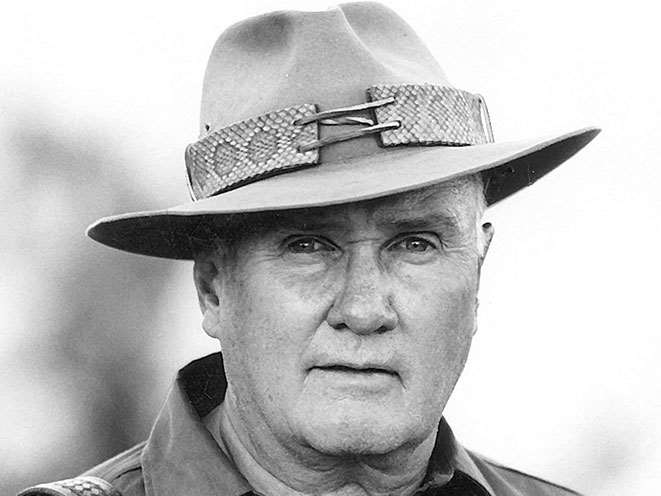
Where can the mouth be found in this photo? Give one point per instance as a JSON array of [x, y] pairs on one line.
[[356, 369], [361, 380]]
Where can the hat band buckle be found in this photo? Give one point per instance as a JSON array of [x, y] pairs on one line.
[[288, 139], [342, 116]]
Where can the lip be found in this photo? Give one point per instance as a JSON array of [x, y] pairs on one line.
[[356, 368]]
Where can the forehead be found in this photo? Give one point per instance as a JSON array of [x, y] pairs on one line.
[[456, 200], [454, 204]]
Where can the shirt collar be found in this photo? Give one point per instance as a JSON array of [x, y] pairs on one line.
[[182, 457]]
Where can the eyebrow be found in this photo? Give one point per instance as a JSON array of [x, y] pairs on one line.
[[413, 222], [409, 221]]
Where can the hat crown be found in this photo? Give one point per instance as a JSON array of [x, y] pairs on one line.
[[284, 126], [328, 58]]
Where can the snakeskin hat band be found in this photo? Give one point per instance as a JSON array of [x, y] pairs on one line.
[[309, 109]]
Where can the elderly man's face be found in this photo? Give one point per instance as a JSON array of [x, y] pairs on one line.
[[345, 328]]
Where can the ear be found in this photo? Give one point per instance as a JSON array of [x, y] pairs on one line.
[[487, 235], [205, 273]]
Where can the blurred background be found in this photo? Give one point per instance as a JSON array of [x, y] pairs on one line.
[[97, 103]]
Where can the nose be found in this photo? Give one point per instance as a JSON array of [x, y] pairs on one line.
[[363, 303]]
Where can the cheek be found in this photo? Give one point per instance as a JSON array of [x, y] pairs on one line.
[[442, 296], [269, 321], [437, 310], [277, 310]]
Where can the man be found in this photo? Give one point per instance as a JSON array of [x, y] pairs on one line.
[[338, 186]]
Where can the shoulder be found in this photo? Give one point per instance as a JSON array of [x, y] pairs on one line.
[[118, 476], [505, 480]]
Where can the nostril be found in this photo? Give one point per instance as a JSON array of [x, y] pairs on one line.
[[338, 326]]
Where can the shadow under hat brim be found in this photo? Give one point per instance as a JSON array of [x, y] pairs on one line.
[[508, 167]]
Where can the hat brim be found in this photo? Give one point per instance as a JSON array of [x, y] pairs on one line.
[[509, 166]]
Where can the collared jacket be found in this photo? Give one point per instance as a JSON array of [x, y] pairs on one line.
[[182, 458]]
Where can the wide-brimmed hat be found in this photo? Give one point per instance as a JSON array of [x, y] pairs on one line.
[[308, 109]]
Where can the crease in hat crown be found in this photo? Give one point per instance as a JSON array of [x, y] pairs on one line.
[[318, 61], [328, 58]]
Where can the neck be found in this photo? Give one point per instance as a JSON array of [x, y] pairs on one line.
[[273, 468]]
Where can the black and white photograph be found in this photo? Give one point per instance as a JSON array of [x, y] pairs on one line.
[[298, 248]]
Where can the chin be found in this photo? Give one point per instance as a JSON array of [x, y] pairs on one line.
[[356, 430]]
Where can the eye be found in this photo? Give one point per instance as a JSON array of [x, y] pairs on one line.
[[416, 245], [308, 245]]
